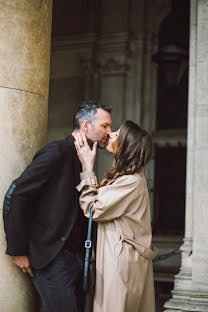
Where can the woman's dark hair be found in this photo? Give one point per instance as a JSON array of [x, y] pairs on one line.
[[134, 151]]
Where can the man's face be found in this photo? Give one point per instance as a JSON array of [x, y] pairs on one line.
[[100, 129]]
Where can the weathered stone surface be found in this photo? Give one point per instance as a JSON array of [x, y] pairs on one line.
[[16, 290], [24, 78], [25, 44], [191, 290], [23, 120], [23, 130]]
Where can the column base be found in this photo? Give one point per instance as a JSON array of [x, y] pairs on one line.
[[187, 297], [182, 282], [192, 302]]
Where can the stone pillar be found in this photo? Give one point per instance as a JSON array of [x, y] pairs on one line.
[[154, 13], [200, 228], [24, 77], [191, 284], [134, 78], [149, 84], [88, 72], [112, 73]]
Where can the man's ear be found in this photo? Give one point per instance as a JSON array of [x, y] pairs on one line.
[[85, 126]]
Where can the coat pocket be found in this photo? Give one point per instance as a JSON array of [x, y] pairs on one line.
[[148, 253], [132, 265]]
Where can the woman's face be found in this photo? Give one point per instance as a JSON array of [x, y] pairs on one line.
[[112, 146]]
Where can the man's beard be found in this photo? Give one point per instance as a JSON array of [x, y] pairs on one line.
[[99, 143]]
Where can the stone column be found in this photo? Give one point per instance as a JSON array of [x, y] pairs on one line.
[[154, 14], [149, 84], [191, 284], [112, 73], [200, 228], [24, 77], [88, 71], [134, 78]]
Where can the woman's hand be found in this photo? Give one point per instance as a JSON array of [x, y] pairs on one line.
[[85, 154]]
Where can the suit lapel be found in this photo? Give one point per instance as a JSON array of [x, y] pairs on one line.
[[76, 162]]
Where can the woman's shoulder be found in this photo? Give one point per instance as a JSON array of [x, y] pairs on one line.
[[131, 178]]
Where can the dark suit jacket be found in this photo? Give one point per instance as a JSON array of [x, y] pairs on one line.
[[41, 206]]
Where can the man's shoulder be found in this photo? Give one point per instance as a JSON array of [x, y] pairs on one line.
[[66, 142], [57, 147]]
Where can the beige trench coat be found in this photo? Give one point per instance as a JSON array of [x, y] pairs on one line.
[[124, 276]]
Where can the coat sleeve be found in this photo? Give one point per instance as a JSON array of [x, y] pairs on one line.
[[109, 202], [17, 212]]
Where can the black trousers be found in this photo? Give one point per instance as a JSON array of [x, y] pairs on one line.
[[60, 283]]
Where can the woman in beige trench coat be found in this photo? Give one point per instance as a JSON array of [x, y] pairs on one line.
[[124, 276]]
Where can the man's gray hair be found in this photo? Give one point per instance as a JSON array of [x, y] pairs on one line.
[[87, 111]]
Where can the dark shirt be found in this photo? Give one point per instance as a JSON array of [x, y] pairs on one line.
[[76, 239]]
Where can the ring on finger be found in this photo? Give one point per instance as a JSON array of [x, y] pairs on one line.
[[81, 145]]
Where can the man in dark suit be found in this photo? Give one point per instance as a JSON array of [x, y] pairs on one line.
[[45, 227]]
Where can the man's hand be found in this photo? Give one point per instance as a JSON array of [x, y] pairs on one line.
[[23, 263]]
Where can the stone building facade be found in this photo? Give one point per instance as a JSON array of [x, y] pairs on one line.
[[149, 61]]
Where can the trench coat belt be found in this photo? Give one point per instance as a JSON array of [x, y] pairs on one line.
[[148, 253]]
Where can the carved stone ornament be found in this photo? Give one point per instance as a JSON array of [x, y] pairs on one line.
[[113, 67]]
